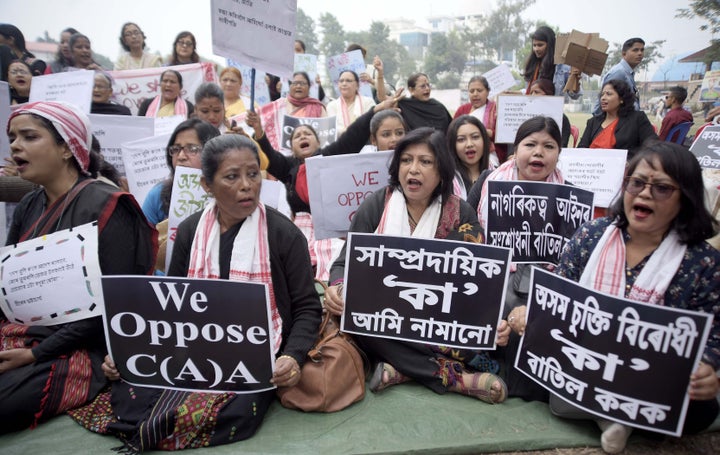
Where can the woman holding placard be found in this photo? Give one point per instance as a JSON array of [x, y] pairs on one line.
[[301, 103], [350, 105], [234, 238], [540, 64], [169, 102], [419, 202], [545, 87], [46, 370], [658, 225], [619, 125], [419, 109]]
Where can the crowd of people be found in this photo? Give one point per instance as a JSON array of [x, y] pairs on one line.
[[438, 189]]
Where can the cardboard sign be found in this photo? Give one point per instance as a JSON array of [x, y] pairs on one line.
[[598, 170], [513, 110], [430, 291], [52, 279], [339, 184], [189, 334], [586, 51], [74, 87], [621, 360], [112, 130]]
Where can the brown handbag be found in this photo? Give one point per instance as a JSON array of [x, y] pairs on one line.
[[333, 376]]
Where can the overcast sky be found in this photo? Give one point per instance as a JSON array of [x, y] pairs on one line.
[[615, 20]]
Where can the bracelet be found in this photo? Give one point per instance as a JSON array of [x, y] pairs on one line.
[[285, 356]]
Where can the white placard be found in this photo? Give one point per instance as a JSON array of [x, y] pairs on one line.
[[339, 184], [499, 79], [308, 64], [131, 87], [53, 279], [145, 164], [273, 194], [598, 170], [259, 34], [74, 87], [4, 116], [188, 197], [166, 125], [262, 92], [513, 110], [112, 130], [352, 61]]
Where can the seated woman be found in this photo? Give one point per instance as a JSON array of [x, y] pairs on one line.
[[132, 40], [231, 240], [305, 143], [537, 151], [619, 125], [350, 104], [469, 144], [545, 87], [169, 102], [19, 78], [47, 370], [419, 109], [102, 97], [659, 225], [419, 203]]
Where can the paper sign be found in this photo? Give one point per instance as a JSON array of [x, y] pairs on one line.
[[112, 130], [4, 116], [513, 110], [262, 93], [52, 279], [74, 87], [145, 164], [598, 170], [259, 34], [352, 61], [325, 127], [500, 79], [166, 125]]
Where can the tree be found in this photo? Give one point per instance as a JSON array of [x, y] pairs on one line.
[[305, 31], [446, 54], [505, 30], [652, 55], [333, 41], [710, 11]]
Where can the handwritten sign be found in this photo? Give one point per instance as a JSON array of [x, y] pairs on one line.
[[184, 334], [499, 79], [262, 93], [339, 184], [424, 290], [324, 127], [259, 34], [605, 354], [513, 110], [113, 130], [706, 147], [710, 88], [145, 164], [74, 87], [535, 219], [598, 170], [348, 61], [52, 279], [132, 87]]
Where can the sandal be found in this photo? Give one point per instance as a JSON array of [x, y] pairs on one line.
[[377, 381], [481, 387]]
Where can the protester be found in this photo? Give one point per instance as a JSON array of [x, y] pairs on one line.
[[545, 87], [651, 248], [232, 241], [47, 369], [102, 97], [168, 102], [676, 114], [132, 40], [419, 203], [301, 103], [540, 64], [469, 144], [633, 51], [480, 106], [386, 129], [231, 81], [184, 50], [619, 125], [82, 54], [350, 105], [210, 105], [300, 48], [19, 78], [12, 47], [63, 58], [419, 109]]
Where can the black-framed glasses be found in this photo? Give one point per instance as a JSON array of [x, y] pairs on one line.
[[190, 149], [298, 83], [659, 191], [185, 43]]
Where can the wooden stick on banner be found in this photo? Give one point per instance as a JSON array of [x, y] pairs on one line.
[[252, 90]]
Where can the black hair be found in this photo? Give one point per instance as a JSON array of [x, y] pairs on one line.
[[356, 47], [93, 163], [209, 90], [629, 43], [11, 31], [482, 79], [176, 73], [301, 43], [354, 75], [122, 33], [627, 97], [412, 80], [59, 55], [304, 75], [679, 93], [217, 147], [193, 58], [546, 85], [380, 117], [452, 134], [536, 125], [435, 140], [694, 223], [547, 64]]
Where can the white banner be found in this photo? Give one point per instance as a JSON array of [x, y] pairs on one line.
[[598, 170], [112, 130], [513, 110], [145, 164], [73, 87]]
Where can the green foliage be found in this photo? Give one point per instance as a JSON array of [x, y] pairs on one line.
[[706, 9], [446, 54], [305, 31], [504, 29], [395, 58], [333, 41]]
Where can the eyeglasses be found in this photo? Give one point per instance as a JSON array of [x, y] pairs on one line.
[[19, 72], [190, 149], [132, 33], [298, 83], [346, 81], [659, 191], [185, 43], [424, 86], [101, 87]]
